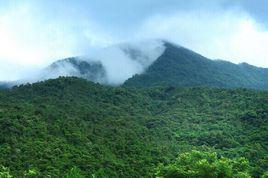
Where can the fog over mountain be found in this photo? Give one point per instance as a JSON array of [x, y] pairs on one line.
[[35, 34], [112, 65], [152, 63]]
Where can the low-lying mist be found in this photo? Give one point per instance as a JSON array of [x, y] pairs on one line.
[[111, 65], [125, 60]]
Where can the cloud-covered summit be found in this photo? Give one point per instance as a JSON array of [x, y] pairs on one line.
[[35, 33], [111, 65]]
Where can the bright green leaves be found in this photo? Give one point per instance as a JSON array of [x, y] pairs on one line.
[[196, 164], [4, 172], [31, 173], [74, 173]]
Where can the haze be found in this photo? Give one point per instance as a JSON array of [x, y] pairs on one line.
[[34, 33]]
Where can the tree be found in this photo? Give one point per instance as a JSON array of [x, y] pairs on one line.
[[265, 175], [4, 172], [31, 173], [196, 164], [74, 173]]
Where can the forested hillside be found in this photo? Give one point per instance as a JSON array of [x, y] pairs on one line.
[[179, 66], [52, 126]]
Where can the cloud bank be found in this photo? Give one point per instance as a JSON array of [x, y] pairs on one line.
[[36, 33], [231, 35], [125, 60], [113, 65]]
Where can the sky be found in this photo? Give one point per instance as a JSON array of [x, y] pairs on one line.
[[34, 33]]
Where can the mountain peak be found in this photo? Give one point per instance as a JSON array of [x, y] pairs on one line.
[[152, 63], [179, 66]]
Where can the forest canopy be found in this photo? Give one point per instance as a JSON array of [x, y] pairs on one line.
[[72, 126]]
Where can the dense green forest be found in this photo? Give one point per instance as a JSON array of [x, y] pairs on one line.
[[70, 126], [181, 67]]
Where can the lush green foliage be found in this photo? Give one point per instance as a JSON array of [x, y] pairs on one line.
[[198, 164], [181, 67], [265, 175], [50, 127], [4, 172], [74, 173]]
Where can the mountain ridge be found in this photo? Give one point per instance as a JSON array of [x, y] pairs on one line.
[[179, 66], [175, 66]]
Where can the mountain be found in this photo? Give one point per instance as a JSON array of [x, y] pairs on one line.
[[4, 85], [74, 66], [112, 65], [179, 66], [153, 63], [49, 127], [90, 70]]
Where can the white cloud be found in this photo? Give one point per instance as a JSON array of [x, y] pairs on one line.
[[30, 40], [120, 62], [125, 60], [230, 35], [36, 33]]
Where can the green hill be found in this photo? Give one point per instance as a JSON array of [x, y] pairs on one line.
[[179, 66], [55, 125]]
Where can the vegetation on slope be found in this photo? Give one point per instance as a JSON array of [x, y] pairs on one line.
[[53, 126], [198, 164], [90, 70], [181, 67]]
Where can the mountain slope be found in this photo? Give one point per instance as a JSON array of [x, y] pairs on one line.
[[178, 66], [4, 85], [112, 65], [74, 66], [54, 125], [153, 63], [90, 70]]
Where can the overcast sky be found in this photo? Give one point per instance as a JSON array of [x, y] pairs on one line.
[[34, 33]]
